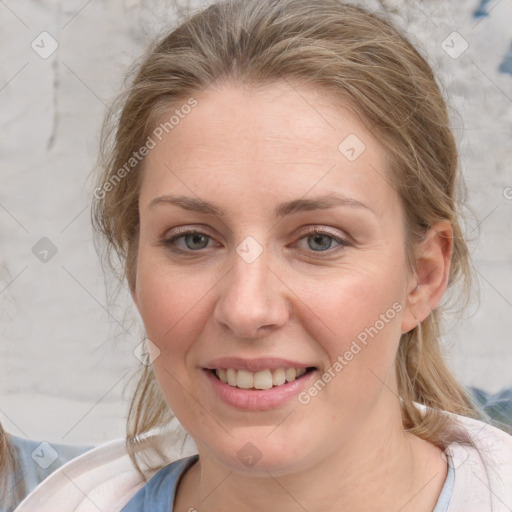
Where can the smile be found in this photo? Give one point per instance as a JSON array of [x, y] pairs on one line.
[[264, 379]]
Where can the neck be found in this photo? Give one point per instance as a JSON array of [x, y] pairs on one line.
[[384, 468]]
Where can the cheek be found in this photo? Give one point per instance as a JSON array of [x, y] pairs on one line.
[[357, 319], [173, 314], [355, 301], [169, 304]]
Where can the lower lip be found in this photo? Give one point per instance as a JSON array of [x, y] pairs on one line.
[[258, 399]]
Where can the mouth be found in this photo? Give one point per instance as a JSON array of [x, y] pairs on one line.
[[260, 380]]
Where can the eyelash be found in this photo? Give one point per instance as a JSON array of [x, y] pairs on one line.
[[169, 243]]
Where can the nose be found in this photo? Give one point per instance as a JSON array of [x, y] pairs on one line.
[[252, 299]]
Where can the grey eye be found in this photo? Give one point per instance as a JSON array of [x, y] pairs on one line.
[[320, 241]]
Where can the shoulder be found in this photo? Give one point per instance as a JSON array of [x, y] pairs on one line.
[[105, 478], [482, 464]]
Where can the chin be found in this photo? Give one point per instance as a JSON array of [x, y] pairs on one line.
[[260, 456]]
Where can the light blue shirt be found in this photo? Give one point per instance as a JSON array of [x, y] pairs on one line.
[[446, 492]]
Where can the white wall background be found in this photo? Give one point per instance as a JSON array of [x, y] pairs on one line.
[[65, 355]]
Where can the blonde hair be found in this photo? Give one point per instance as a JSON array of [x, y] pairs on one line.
[[373, 70]]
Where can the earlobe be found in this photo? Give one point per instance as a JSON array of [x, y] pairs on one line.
[[413, 310], [432, 271]]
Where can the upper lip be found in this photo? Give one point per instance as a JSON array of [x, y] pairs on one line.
[[254, 365]]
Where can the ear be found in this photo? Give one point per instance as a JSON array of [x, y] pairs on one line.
[[432, 270]]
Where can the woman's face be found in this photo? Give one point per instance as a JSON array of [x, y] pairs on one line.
[[254, 174]]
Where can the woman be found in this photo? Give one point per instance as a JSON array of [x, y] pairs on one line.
[[281, 189]]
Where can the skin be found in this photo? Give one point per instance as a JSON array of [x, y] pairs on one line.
[[249, 150]]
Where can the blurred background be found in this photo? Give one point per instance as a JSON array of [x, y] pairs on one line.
[[67, 351]]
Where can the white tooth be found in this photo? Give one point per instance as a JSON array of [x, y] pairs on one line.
[[244, 379], [222, 374], [263, 379], [231, 376], [278, 377], [290, 374], [301, 372]]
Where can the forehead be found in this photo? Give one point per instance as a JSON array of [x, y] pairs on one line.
[[280, 140]]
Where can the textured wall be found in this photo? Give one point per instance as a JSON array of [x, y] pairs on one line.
[[65, 355]]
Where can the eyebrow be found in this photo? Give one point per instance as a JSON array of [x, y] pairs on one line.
[[283, 209]]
